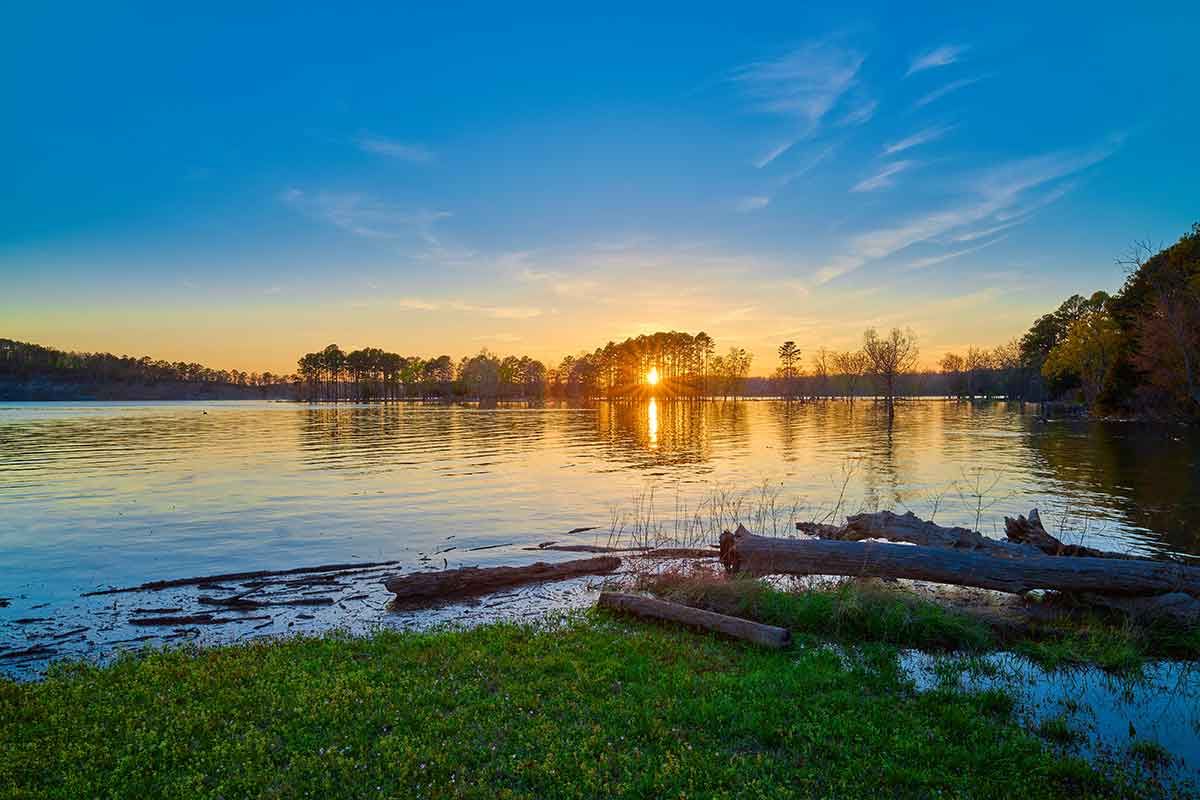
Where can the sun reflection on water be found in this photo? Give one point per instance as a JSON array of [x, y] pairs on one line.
[[652, 422]]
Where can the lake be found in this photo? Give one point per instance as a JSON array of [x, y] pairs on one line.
[[113, 494]]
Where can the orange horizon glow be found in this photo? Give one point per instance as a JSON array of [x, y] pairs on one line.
[[652, 376]]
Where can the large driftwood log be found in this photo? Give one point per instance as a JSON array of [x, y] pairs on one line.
[[424, 587], [910, 528], [736, 627], [759, 555]]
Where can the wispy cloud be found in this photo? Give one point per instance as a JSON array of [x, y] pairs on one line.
[[363, 216], [884, 178], [806, 166], [752, 203], [774, 153], [919, 138], [559, 282], [860, 114], [804, 84], [391, 148], [493, 311], [971, 236], [938, 57], [941, 92], [923, 263], [992, 192]]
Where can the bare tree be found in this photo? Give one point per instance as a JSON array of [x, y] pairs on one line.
[[821, 365], [889, 358]]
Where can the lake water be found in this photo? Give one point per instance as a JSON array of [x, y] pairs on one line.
[[113, 494]]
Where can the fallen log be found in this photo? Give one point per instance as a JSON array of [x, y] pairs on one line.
[[1029, 531], [424, 587], [910, 528], [736, 627], [743, 552]]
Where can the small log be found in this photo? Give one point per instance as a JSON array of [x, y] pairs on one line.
[[1029, 531], [421, 588], [760, 555], [736, 627]]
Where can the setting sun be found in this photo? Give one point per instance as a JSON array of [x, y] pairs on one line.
[[652, 376]]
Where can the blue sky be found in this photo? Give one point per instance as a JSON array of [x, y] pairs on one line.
[[237, 187]]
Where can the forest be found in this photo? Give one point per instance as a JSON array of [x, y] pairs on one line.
[[33, 372]]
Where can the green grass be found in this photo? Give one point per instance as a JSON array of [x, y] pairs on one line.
[[1111, 644], [848, 612], [589, 707], [1151, 753], [853, 612], [1057, 729]]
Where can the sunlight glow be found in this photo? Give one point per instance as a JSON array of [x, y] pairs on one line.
[[652, 376], [652, 422]]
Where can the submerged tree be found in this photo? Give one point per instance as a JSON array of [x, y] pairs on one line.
[[888, 358], [788, 371]]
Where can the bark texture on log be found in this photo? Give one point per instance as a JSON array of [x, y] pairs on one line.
[[759, 555], [425, 587], [1029, 531], [910, 528], [736, 627]]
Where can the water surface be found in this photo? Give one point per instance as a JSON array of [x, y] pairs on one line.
[[111, 494]]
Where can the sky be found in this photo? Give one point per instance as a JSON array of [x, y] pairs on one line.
[[239, 184]]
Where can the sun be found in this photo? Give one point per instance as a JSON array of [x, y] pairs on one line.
[[652, 376]]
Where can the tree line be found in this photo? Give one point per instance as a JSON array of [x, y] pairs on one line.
[[22, 361], [687, 366], [370, 374]]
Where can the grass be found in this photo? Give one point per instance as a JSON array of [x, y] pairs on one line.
[[1057, 729], [589, 707], [1110, 643], [856, 611], [848, 612]]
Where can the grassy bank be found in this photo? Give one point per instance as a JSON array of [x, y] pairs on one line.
[[590, 707], [854, 612]]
